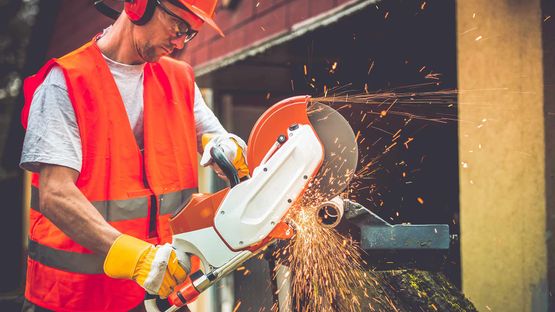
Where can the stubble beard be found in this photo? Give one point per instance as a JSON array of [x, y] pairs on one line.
[[148, 53]]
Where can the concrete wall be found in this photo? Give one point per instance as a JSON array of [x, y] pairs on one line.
[[548, 9], [502, 149]]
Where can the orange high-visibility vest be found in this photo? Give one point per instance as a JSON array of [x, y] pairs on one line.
[[135, 194]]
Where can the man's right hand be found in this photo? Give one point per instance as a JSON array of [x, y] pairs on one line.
[[156, 268]]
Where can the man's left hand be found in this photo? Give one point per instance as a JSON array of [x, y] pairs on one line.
[[234, 148]]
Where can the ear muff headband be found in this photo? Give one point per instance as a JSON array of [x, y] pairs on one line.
[[140, 11]]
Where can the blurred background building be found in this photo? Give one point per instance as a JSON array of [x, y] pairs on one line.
[[492, 182]]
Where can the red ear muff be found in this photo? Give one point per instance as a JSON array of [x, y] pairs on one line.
[[139, 11]]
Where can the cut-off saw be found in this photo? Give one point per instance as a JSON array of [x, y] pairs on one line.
[[297, 149], [301, 153]]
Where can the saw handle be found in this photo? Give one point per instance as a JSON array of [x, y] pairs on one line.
[[218, 156], [153, 303]]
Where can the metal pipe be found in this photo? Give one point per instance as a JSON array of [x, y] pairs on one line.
[[329, 213]]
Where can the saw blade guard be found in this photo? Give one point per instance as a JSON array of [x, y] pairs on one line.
[[333, 131], [302, 153], [271, 124], [254, 208]]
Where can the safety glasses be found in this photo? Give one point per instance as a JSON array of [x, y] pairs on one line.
[[184, 29]]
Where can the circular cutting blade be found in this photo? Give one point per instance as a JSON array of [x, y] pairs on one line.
[[340, 149]]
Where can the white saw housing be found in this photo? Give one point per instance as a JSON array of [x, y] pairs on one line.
[[251, 210]]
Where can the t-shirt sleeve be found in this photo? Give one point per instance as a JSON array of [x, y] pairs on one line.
[[205, 120], [52, 135]]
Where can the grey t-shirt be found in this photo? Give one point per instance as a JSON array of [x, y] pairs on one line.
[[52, 135]]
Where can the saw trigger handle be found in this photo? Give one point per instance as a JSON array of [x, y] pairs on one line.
[[153, 303], [185, 293], [218, 155]]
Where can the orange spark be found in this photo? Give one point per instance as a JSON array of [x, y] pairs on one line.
[[237, 306], [389, 147], [396, 135], [434, 76], [356, 137], [407, 142], [371, 67]]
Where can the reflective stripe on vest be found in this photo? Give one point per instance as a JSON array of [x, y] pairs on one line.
[[169, 203], [66, 260], [91, 263], [128, 209]]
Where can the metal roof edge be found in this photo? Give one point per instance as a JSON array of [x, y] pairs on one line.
[[297, 30]]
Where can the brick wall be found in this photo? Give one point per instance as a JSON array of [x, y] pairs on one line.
[[76, 23], [250, 21]]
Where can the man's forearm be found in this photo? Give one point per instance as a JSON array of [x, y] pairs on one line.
[[64, 204]]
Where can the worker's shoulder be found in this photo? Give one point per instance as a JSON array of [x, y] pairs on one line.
[[77, 52], [54, 77], [79, 57]]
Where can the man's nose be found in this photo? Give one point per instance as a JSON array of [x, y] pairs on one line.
[[178, 43]]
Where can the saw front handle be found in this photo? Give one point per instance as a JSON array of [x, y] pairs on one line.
[[199, 282], [218, 156]]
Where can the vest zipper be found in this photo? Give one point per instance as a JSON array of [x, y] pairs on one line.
[[152, 228], [153, 211]]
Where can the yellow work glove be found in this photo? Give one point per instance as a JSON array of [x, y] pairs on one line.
[[234, 148], [156, 268]]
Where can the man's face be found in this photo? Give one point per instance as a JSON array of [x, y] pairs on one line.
[[165, 32]]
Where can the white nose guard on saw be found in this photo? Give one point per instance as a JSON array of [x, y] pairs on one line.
[[297, 149], [252, 209]]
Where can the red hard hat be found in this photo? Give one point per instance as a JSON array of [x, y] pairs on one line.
[[203, 9]]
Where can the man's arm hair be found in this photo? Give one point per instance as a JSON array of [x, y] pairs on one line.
[[63, 203]]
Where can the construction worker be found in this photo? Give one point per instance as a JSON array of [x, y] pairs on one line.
[[112, 135]]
